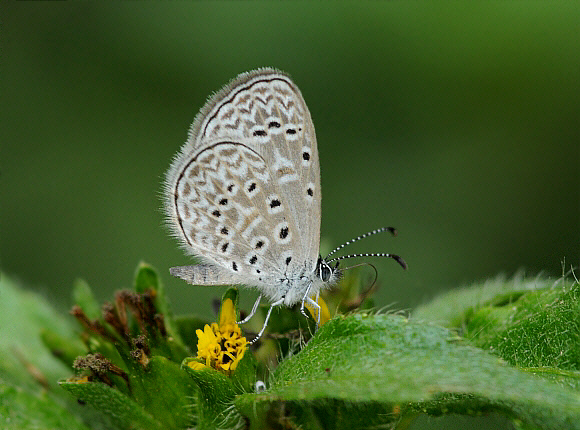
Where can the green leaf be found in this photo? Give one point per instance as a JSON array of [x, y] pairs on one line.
[[22, 409], [449, 308], [539, 329], [83, 296], [146, 277], [29, 394], [321, 414], [215, 399], [23, 316], [536, 327], [393, 361], [123, 411], [168, 393], [244, 377]]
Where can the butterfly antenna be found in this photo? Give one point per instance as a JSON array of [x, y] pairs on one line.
[[391, 230], [382, 254]]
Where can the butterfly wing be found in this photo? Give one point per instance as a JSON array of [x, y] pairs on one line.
[[243, 194]]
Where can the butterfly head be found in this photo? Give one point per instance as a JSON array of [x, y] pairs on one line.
[[327, 273]]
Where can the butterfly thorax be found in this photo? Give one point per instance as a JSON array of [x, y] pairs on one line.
[[294, 287]]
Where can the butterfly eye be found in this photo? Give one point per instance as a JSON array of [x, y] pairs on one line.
[[325, 272]]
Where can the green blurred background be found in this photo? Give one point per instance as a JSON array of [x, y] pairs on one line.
[[456, 122]]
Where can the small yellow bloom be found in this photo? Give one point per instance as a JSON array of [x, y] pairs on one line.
[[324, 312], [222, 346]]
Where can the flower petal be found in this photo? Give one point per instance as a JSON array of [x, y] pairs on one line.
[[227, 313]]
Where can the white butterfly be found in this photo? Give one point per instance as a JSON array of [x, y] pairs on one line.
[[243, 194]]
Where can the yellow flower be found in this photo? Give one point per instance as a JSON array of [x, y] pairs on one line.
[[324, 312], [222, 346]]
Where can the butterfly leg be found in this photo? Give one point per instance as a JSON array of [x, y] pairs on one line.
[[277, 303], [313, 303], [254, 308], [305, 299], [319, 310], [316, 306]]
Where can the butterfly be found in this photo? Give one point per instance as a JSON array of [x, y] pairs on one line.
[[243, 195]]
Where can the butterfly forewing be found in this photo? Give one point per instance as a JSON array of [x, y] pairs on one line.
[[244, 192]]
